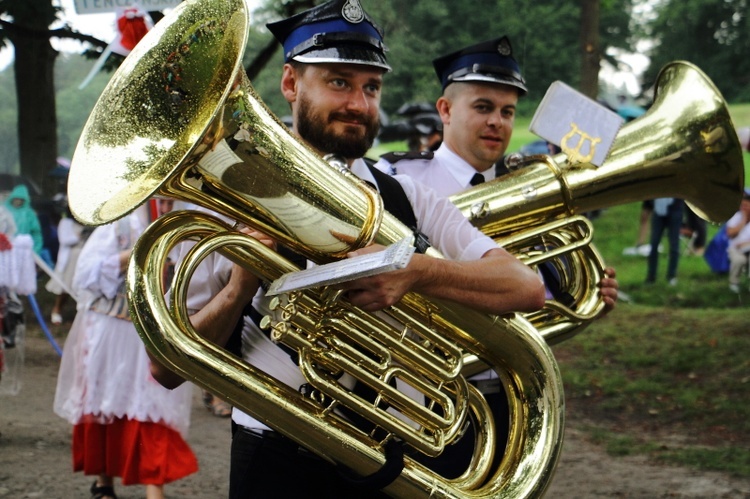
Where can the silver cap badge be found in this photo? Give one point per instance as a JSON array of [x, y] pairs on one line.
[[504, 47], [352, 11]]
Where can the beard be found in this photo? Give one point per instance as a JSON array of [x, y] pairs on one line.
[[353, 143]]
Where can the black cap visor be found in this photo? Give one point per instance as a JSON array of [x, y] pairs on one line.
[[504, 80], [351, 54]]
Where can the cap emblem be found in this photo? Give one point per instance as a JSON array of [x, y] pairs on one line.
[[503, 47], [352, 11]]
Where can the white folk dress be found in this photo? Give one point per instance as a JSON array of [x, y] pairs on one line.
[[104, 373]]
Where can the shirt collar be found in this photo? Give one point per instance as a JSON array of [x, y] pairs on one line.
[[459, 168], [359, 168]]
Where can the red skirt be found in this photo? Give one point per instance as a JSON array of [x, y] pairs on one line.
[[137, 452]]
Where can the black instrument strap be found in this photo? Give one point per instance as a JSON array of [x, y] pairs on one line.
[[394, 464], [398, 205]]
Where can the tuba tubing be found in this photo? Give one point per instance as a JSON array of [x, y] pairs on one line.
[[180, 119], [684, 146], [536, 400]]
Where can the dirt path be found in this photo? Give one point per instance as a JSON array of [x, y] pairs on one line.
[[35, 455]]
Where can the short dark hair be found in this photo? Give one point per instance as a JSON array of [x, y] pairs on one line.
[[299, 67]]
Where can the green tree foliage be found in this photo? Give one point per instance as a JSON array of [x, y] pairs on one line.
[[417, 32], [33, 13], [713, 34], [544, 34], [74, 105], [266, 83], [24, 25]]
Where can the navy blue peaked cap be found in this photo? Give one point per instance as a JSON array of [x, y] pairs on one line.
[[336, 31], [491, 61]]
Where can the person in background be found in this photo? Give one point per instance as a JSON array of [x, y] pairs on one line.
[[71, 236], [667, 216], [481, 87], [334, 88], [7, 231], [124, 423], [743, 134], [738, 250], [642, 246], [420, 126], [428, 132], [695, 228], [18, 203], [7, 223], [215, 405]]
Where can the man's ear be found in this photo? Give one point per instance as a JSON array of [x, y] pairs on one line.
[[289, 83], [443, 106]]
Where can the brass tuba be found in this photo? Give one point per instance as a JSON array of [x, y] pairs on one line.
[[685, 146], [180, 119]]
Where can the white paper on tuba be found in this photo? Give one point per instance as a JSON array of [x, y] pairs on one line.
[[584, 129], [396, 256]]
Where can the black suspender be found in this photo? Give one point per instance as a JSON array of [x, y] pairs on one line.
[[398, 205], [394, 198]]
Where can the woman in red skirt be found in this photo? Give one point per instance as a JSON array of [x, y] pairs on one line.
[[125, 423]]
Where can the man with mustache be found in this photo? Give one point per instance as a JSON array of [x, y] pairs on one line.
[[332, 79]]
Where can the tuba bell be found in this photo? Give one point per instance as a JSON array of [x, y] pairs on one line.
[[685, 146], [180, 119]]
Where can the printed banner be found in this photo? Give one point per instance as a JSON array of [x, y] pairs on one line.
[[104, 6]]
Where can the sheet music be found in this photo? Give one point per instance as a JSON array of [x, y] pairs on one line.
[[396, 256], [583, 128]]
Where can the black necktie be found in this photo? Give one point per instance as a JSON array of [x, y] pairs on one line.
[[477, 179]]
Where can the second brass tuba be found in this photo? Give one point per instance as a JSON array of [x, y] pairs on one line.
[[685, 146], [180, 119]]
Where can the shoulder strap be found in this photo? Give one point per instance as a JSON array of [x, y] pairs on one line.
[[396, 203], [394, 198], [394, 157]]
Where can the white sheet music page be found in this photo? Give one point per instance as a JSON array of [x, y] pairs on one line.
[[396, 256], [583, 128]]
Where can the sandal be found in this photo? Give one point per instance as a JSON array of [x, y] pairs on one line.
[[216, 406], [208, 400], [221, 409], [102, 491]]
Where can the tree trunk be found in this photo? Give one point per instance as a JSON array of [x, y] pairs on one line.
[[37, 118], [590, 48]]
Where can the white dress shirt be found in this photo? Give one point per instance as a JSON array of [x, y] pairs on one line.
[[446, 172]]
